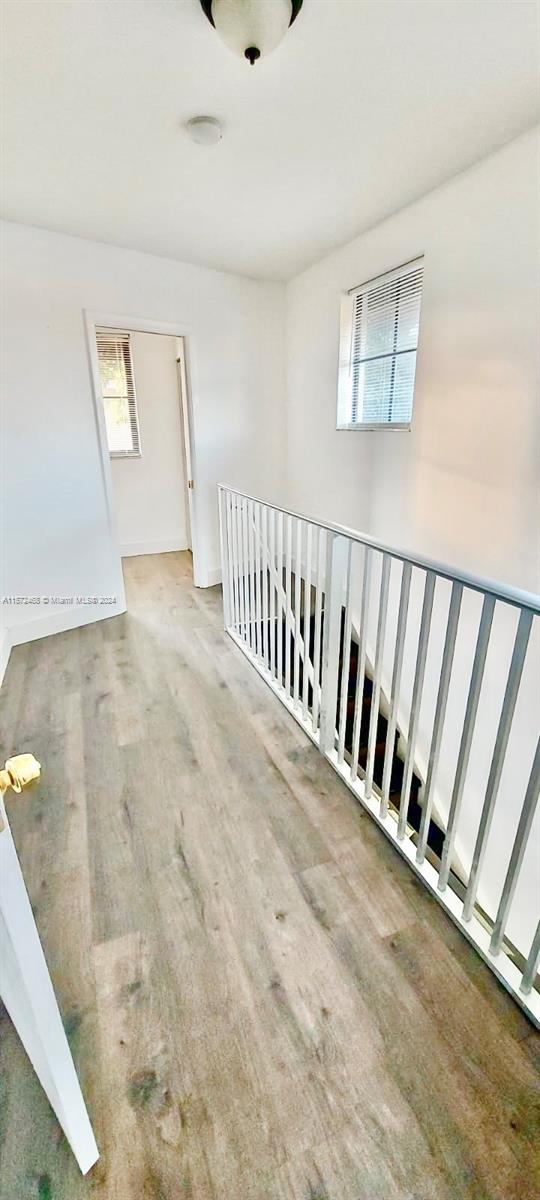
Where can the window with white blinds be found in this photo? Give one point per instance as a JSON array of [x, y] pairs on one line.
[[379, 341], [118, 392]]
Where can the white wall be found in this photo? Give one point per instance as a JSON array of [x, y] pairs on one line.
[[150, 491], [58, 541], [462, 486], [469, 466]]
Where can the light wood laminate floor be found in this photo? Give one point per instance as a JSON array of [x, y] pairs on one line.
[[262, 1001]]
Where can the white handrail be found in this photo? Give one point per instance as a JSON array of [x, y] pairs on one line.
[[501, 591]]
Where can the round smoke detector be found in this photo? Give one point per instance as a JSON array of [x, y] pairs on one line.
[[206, 131]]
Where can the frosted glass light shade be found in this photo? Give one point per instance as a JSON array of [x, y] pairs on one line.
[[245, 25]]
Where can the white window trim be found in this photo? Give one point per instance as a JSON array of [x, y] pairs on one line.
[[346, 333]]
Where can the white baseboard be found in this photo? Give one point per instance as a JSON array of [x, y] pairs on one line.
[[130, 549], [213, 577], [5, 651], [58, 622]]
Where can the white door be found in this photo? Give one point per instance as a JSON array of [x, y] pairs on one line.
[[27, 992]]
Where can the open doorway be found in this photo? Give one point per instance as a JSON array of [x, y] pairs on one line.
[[144, 418]]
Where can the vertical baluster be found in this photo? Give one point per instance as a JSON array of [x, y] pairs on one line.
[[253, 556], [396, 684], [297, 609], [240, 564], [271, 593], [440, 713], [497, 762], [240, 567], [345, 659], [288, 624], [234, 503], [258, 569], [321, 535], [477, 675], [420, 670], [251, 551], [272, 587], [245, 573], [253, 578], [242, 560], [257, 631], [280, 599], [377, 673], [264, 534], [247, 507], [531, 968], [361, 668], [231, 555], [518, 851], [337, 550], [307, 622]]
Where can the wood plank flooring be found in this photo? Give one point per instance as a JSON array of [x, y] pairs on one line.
[[262, 1001]]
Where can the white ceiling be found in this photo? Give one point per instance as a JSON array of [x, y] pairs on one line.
[[366, 105]]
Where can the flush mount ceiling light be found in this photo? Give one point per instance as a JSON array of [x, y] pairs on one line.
[[251, 28], [206, 131]]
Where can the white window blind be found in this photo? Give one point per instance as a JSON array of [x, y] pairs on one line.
[[118, 392], [382, 340]]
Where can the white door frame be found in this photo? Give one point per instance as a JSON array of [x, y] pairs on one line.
[[181, 377], [92, 320]]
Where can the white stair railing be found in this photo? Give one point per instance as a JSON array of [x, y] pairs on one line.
[[440, 661]]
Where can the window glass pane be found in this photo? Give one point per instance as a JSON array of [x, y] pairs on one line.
[[380, 326], [118, 392], [383, 390], [119, 436], [403, 390], [408, 321], [113, 376], [374, 396], [385, 323]]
